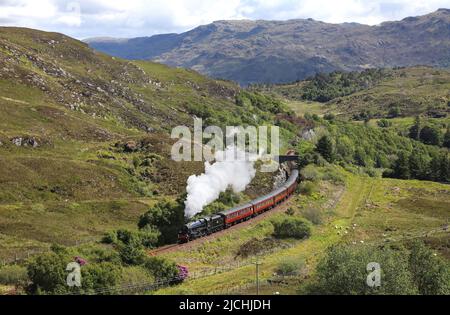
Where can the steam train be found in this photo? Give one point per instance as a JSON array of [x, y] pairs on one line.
[[228, 218]]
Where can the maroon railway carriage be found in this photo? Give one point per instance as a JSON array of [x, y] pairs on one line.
[[263, 204], [237, 214]]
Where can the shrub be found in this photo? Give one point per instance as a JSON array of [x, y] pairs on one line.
[[102, 154], [161, 268], [100, 278], [256, 246], [13, 275], [110, 238], [293, 227], [331, 174], [148, 237], [289, 268], [314, 215], [308, 188], [329, 117], [384, 123], [290, 211], [132, 252], [106, 255], [310, 173], [47, 273]]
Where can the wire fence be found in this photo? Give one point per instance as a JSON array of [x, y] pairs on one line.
[[197, 274], [251, 286], [22, 256]]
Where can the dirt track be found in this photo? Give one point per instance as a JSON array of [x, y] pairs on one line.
[[192, 244]]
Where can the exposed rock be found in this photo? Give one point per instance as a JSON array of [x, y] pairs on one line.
[[17, 141], [25, 142], [131, 146], [308, 135]]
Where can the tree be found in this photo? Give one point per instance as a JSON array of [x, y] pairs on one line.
[[361, 157], [325, 148], [430, 273], [344, 271], [435, 168], [414, 131], [430, 135], [446, 142], [401, 166], [418, 165], [167, 216], [444, 169]]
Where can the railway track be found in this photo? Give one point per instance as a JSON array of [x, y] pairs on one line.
[[237, 217], [198, 241]]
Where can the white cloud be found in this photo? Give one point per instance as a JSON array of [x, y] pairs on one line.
[[147, 17]]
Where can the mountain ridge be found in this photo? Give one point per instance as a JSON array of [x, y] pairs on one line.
[[263, 51]]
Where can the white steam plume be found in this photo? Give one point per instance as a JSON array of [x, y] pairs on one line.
[[232, 169]]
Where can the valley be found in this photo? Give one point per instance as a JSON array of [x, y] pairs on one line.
[[86, 170]]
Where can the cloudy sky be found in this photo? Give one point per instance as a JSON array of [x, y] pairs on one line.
[[132, 18]]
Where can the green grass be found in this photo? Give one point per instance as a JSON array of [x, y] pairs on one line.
[[396, 209], [373, 205], [308, 107], [414, 90], [79, 183], [220, 251]]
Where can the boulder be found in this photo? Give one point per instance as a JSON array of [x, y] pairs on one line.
[[17, 141]]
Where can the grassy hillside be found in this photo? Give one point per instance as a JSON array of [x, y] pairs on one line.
[[84, 137], [361, 212], [387, 93], [85, 160]]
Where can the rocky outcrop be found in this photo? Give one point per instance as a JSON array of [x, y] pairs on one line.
[[26, 142]]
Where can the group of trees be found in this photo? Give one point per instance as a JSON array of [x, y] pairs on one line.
[[413, 270], [349, 144], [324, 87], [418, 165], [428, 134]]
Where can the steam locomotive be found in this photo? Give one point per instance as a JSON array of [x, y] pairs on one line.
[[227, 218]]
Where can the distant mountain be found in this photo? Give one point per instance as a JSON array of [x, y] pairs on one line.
[[285, 51]]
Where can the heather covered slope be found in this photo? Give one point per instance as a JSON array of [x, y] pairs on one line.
[[285, 51], [374, 93], [85, 137]]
